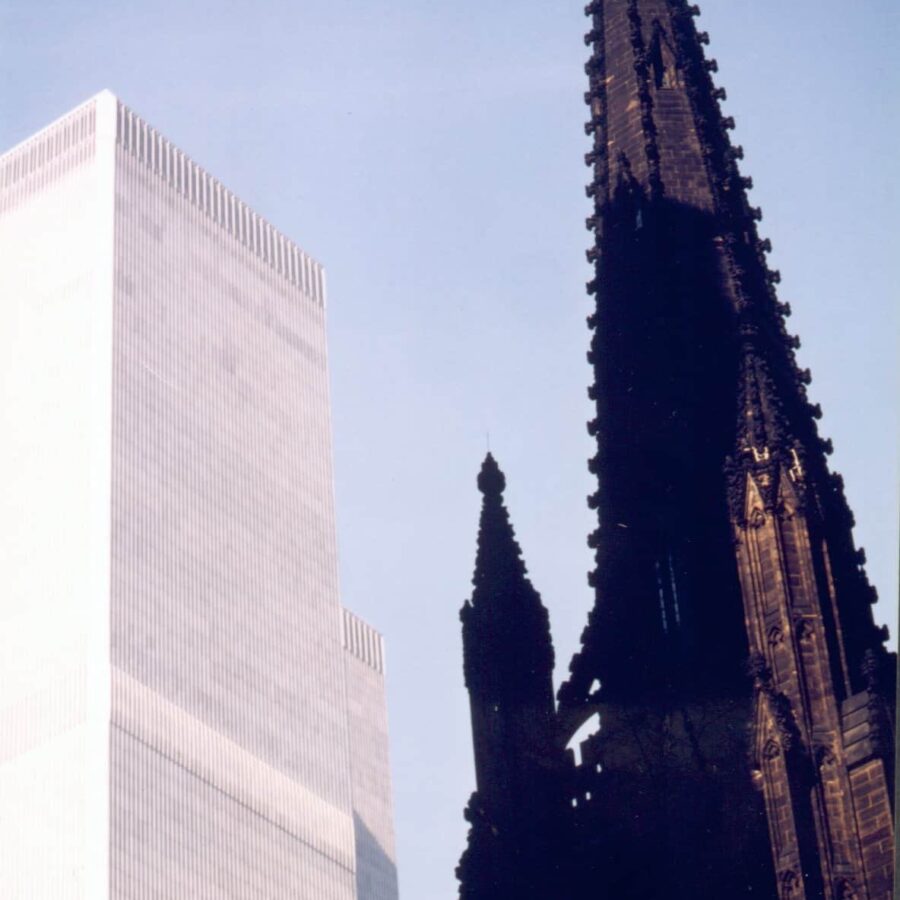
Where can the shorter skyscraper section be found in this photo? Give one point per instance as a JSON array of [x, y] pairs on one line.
[[376, 870]]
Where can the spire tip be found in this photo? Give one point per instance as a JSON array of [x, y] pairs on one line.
[[490, 479]]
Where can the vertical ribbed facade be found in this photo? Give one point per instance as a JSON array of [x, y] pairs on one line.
[[226, 728]]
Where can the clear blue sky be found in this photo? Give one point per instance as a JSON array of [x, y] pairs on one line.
[[430, 156]]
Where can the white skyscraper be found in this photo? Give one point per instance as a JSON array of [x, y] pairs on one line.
[[185, 709]]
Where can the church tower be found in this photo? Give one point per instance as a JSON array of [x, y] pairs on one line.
[[516, 813], [740, 694]]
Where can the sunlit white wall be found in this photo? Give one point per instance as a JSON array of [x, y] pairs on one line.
[[55, 328]]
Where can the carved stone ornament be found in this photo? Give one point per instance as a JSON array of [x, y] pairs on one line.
[[804, 631], [757, 518], [796, 472], [824, 756], [846, 890], [758, 670], [790, 885], [771, 750], [776, 636]]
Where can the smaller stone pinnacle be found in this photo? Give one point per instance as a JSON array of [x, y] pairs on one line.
[[490, 479]]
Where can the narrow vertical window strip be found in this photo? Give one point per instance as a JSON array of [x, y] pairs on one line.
[[662, 597], [370, 653], [674, 591]]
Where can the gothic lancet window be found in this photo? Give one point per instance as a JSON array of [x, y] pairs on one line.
[[667, 590], [662, 597], [661, 56], [672, 580]]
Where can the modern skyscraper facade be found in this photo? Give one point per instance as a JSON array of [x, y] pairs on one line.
[[185, 709]]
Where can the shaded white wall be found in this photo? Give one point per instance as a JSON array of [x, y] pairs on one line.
[[229, 714]]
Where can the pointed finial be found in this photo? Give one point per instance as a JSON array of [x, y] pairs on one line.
[[490, 479]]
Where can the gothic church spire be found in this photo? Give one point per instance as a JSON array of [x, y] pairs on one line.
[[516, 812]]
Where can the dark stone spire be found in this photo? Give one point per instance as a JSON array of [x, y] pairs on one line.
[[721, 534], [723, 546], [515, 812], [506, 630]]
